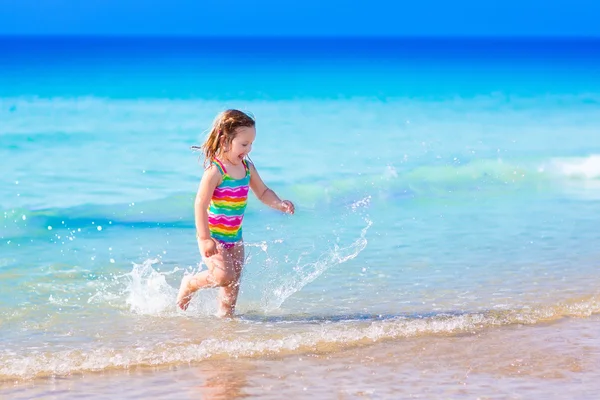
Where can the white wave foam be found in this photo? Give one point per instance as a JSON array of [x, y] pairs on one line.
[[578, 167], [320, 337]]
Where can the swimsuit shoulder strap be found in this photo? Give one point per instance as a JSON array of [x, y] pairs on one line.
[[246, 166], [219, 166]]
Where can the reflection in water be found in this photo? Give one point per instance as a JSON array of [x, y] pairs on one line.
[[222, 380]]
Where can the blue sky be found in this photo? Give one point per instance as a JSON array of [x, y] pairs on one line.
[[302, 18]]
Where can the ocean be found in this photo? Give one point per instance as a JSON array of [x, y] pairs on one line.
[[445, 241]]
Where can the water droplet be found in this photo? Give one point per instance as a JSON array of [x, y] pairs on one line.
[[112, 260], [24, 217], [99, 228], [49, 228]]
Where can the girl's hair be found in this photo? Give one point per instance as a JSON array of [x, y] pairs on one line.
[[223, 132]]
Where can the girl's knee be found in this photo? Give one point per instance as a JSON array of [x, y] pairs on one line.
[[223, 279]]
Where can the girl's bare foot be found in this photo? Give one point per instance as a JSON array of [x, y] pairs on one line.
[[185, 292]]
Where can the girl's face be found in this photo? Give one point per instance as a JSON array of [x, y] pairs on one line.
[[241, 145]]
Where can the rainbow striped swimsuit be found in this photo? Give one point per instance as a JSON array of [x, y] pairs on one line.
[[227, 206]]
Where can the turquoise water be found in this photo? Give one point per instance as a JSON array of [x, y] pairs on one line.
[[441, 187]]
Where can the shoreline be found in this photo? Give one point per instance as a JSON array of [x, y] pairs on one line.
[[513, 361]]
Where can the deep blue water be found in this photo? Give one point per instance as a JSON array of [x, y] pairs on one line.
[[251, 68]]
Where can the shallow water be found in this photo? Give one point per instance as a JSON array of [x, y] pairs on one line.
[[443, 191]]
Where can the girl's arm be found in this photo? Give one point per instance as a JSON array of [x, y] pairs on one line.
[[266, 195], [210, 180]]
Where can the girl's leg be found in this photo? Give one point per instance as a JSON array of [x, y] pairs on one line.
[[224, 270], [205, 279], [229, 293]]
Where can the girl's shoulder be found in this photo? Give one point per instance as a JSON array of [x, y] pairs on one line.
[[213, 173], [217, 165]]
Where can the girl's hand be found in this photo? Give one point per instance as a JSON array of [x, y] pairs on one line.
[[208, 247], [287, 206]]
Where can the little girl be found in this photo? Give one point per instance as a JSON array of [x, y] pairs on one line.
[[219, 208]]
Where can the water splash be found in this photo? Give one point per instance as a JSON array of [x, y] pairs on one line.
[[306, 273], [284, 273], [144, 290], [148, 292]]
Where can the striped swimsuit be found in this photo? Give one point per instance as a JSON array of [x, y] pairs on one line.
[[227, 206]]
